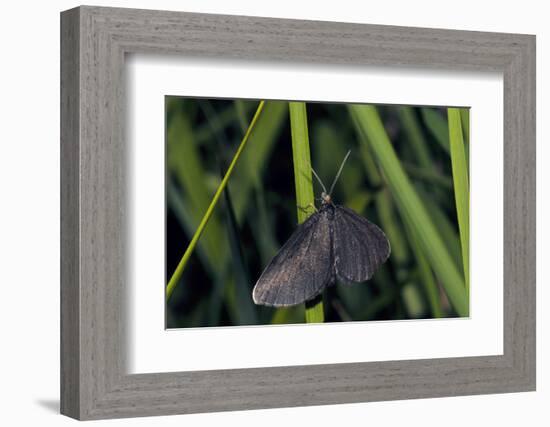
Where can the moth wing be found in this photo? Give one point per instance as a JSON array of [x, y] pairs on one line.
[[360, 247], [301, 269]]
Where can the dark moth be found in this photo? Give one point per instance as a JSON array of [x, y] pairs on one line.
[[333, 244]]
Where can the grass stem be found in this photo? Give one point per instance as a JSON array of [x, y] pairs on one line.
[[461, 187], [172, 283], [304, 186], [371, 131]]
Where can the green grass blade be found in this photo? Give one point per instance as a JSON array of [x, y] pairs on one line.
[[246, 185], [412, 299], [184, 164], [304, 186], [465, 121], [286, 315], [371, 169], [185, 218], [446, 229], [461, 187], [371, 129], [240, 110], [302, 160], [254, 161], [185, 258], [415, 137], [428, 176], [384, 207], [392, 229], [435, 122], [224, 119], [428, 282], [263, 228], [242, 308], [315, 310]]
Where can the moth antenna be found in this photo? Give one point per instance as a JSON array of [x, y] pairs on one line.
[[319, 179], [339, 172]]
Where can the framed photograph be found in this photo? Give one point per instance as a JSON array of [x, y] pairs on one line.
[[261, 213]]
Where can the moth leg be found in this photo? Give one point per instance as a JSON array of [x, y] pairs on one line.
[[306, 208]]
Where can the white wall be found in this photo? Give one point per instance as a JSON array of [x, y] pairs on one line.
[[29, 225]]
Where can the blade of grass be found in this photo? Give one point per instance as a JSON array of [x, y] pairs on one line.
[[304, 187], [384, 207], [185, 166], [246, 186], [431, 289], [254, 160], [185, 258], [185, 218], [315, 310], [414, 134], [242, 309], [263, 228], [446, 229], [371, 169], [412, 299], [224, 119], [232, 282], [240, 110], [246, 183], [286, 315], [371, 129], [465, 121], [422, 165], [392, 228], [435, 123], [461, 187], [395, 233], [429, 176]]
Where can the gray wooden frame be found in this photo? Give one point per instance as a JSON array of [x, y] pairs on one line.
[[94, 41]]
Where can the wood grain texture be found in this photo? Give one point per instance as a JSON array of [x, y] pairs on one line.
[[70, 334], [94, 382]]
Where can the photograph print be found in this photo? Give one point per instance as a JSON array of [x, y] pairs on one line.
[[307, 212]]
